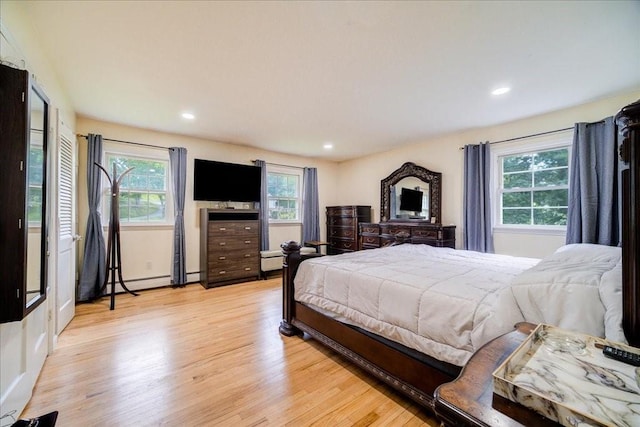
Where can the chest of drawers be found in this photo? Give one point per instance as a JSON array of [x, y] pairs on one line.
[[229, 246], [374, 235], [342, 227]]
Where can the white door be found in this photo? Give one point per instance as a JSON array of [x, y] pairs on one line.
[[66, 268]]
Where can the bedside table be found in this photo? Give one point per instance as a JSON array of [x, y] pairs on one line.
[[469, 399]]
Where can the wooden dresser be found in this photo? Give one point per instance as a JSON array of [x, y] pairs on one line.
[[229, 246], [342, 227], [383, 234]]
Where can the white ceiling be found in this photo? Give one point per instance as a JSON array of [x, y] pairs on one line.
[[366, 76]]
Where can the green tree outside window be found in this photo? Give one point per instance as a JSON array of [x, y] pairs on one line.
[[143, 191], [534, 188]]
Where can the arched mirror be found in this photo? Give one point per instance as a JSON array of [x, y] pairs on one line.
[[411, 193], [24, 124]]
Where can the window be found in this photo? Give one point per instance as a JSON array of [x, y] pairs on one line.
[[533, 187], [284, 194], [144, 198]]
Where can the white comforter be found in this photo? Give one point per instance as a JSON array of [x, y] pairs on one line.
[[443, 302], [578, 287], [447, 303]]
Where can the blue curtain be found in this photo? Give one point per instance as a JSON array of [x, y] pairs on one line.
[[264, 207], [178, 162], [593, 209], [94, 263], [477, 205], [310, 206]]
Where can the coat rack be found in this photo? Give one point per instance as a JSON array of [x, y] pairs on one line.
[[114, 258]]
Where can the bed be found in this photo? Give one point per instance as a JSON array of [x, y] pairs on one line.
[[423, 336]]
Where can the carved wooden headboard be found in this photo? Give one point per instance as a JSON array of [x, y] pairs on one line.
[[628, 120]]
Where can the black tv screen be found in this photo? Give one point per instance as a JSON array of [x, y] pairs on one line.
[[410, 200], [225, 182]]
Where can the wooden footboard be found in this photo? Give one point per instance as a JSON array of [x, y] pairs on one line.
[[413, 374]]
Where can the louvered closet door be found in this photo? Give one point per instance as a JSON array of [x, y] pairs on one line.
[[66, 290]]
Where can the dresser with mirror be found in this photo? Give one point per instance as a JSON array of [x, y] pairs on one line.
[[410, 211]]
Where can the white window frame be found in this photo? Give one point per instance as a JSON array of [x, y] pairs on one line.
[[288, 170], [547, 143], [144, 154]]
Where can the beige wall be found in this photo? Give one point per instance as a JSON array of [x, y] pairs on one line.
[[146, 251], [443, 154]]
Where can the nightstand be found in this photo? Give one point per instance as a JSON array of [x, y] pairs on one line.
[[469, 399]]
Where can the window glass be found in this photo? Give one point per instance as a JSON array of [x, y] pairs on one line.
[[143, 190], [534, 188], [284, 195]]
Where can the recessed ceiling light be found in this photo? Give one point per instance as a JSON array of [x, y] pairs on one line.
[[188, 116], [327, 146], [500, 90]]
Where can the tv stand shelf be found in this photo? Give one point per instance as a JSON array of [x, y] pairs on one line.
[[229, 246]]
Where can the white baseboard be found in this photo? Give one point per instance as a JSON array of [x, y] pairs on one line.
[[151, 283]]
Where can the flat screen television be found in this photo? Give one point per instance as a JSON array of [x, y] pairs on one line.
[[410, 200], [225, 182]]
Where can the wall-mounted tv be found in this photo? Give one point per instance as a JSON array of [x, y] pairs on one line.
[[410, 200], [225, 182]]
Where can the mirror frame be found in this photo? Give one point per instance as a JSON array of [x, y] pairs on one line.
[[31, 304], [19, 88], [409, 169]]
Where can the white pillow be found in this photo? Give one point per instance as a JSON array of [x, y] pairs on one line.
[[564, 289]]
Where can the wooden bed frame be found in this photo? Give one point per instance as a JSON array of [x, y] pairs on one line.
[[417, 375]]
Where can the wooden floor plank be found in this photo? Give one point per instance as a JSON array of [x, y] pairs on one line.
[[195, 356]]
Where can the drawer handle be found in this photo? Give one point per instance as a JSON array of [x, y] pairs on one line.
[[222, 257], [247, 228], [223, 228], [223, 243], [247, 241], [222, 272], [247, 269], [247, 255]]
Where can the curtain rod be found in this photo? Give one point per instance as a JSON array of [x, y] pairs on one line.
[[127, 142], [528, 136], [280, 164]]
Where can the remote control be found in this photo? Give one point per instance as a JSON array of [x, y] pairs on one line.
[[621, 355]]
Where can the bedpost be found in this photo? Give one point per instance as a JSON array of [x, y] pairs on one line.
[[290, 264], [628, 121]]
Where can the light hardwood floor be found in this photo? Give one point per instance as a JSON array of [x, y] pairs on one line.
[[205, 357]]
